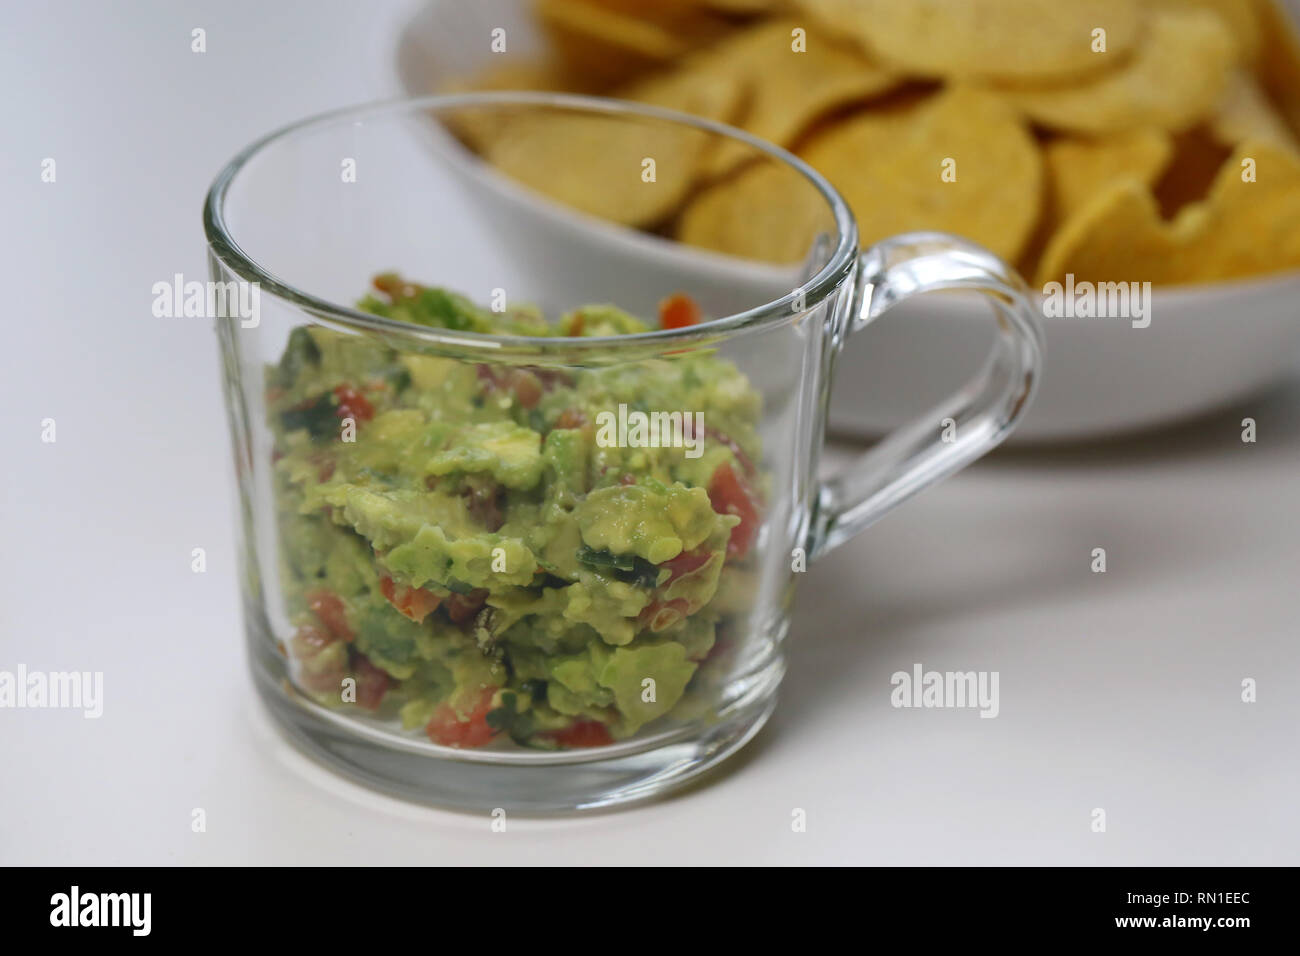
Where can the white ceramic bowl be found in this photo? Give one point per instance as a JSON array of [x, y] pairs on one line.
[[1206, 346]]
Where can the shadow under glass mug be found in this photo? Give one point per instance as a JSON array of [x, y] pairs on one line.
[[493, 560]]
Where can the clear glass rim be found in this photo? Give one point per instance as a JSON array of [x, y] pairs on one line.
[[227, 250]]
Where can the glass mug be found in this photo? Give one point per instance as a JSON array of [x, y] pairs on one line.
[[490, 562]]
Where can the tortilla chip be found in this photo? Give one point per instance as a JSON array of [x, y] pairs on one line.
[[1173, 80], [1245, 112], [889, 167], [1240, 17], [1241, 229], [663, 12], [789, 90], [768, 212], [742, 7], [694, 89], [597, 164], [1279, 60], [1008, 40], [1079, 169], [606, 46], [479, 126]]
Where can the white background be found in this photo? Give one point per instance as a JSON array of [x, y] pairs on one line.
[[1118, 690]]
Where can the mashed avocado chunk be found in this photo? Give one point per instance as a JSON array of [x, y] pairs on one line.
[[462, 553]]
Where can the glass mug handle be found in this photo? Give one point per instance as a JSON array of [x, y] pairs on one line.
[[983, 413]]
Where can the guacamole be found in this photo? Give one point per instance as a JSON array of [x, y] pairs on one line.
[[465, 550]]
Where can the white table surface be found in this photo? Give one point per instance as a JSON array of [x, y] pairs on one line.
[[1118, 690]]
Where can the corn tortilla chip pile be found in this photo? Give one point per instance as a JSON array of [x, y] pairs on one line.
[[882, 165], [594, 164], [1115, 140]]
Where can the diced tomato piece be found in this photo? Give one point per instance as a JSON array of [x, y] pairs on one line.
[[527, 388], [322, 668], [372, 682], [352, 404], [678, 312], [452, 729], [571, 418], [420, 604], [395, 287], [330, 611], [729, 496], [582, 733], [415, 603], [324, 463], [658, 615], [686, 562], [462, 607]]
